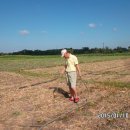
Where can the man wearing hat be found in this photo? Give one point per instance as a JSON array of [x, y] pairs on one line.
[[71, 68]]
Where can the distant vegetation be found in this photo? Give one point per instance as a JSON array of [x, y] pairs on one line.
[[83, 50], [18, 63]]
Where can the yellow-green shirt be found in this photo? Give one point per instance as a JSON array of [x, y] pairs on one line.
[[71, 62]]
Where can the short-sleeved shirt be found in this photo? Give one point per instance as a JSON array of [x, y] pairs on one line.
[[71, 62]]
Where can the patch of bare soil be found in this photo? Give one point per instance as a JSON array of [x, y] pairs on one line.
[[45, 106]]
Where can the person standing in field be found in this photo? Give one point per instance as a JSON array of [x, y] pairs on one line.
[[71, 68]]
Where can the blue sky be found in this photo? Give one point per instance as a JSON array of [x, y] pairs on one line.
[[52, 24]]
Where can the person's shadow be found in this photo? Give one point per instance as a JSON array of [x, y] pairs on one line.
[[60, 91]]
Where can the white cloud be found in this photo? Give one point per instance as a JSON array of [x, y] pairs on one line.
[[44, 32], [114, 29], [92, 25], [24, 32]]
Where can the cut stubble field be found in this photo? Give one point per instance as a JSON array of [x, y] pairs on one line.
[[34, 96]]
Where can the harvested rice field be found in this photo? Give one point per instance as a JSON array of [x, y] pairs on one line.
[[34, 95]]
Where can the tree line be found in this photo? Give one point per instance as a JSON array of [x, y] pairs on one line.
[[83, 50]]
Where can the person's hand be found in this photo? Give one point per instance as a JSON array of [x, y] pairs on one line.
[[62, 72]]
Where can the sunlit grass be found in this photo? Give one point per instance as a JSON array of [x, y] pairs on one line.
[[16, 63], [115, 84]]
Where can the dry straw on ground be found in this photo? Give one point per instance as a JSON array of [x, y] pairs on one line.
[[105, 85]]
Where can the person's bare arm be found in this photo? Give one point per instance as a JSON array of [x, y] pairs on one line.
[[78, 70], [63, 71]]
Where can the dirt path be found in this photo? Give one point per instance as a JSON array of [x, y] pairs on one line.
[[32, 107]]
